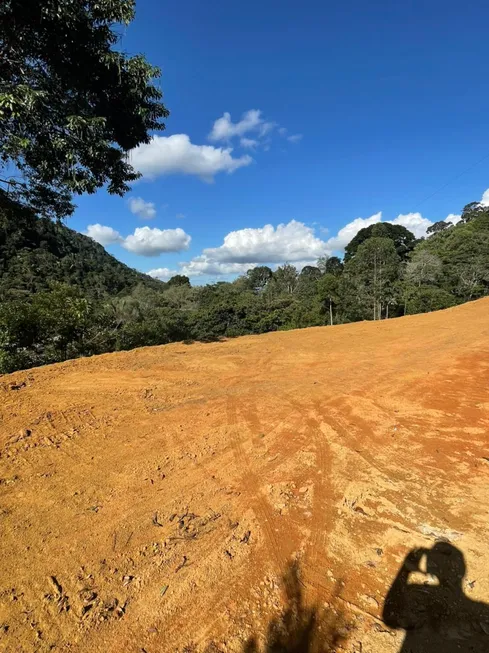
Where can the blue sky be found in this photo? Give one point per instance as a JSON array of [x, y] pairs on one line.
[[328, 112]]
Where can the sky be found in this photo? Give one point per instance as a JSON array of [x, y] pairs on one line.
[[293, 125]]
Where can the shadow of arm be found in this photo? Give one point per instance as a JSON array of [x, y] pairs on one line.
[[397, 601]]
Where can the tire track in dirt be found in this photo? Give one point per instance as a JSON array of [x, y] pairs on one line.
[[322, 508], [251, 483]]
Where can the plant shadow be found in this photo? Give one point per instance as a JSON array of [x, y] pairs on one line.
[[299, 627]]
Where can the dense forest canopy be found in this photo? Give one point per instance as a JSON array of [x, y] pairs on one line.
[[62, 295]]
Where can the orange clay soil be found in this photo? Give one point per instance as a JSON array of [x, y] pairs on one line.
[[155, 500]]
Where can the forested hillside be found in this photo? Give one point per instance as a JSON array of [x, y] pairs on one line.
[[37, 252], [63, 296]]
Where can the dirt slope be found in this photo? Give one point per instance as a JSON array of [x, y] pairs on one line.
[[153, 500]]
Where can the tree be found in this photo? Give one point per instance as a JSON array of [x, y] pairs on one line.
[[307, 282], [285, 278], [423, 267], [310, 272], [257, 278], [404, 241], [72, 105], [372, 271], [328, 292], [441, 225], [425, 299], [330, 265], [471, 211], [179, 280]]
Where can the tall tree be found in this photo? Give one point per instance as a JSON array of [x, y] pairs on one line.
[[373, 271], [257, 278], [330, 265], [328, 292], [285, 278], [423, 267], [72, 105]]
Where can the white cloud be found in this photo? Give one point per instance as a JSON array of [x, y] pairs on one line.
[[103, 235], [453, 218], [166, 155], [414, 222], [485, 198], [180, 216], [287, 242], [282, 131], [294, 138], [144, 241], [162, 273], [152, 242], [224, 129], [349, 231], [203, 265], [144, 210], [249, 143]]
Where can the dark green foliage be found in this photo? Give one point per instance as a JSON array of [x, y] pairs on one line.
[[425, 299], [372, 272], [435, 228], [330, 265], [258, 278], [72, 104], [404, 240], [35, 252], [62, 295], [179, 280]]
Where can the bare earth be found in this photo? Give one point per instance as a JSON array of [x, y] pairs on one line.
[[154, 500]]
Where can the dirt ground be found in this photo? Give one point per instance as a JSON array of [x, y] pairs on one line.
[[208, 496]]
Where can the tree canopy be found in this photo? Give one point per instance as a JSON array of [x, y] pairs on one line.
[[404, 240], [72, 104], [62, 295]]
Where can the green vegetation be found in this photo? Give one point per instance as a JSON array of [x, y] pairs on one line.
[[62, 295], [72, 104]]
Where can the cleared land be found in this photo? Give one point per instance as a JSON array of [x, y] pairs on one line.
[[154, 500]]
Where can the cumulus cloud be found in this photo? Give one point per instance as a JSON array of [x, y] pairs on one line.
[[485, 198], [166, 155], [349, 231], [414, 222], [103, 235], [162, 273], [144, 210], [453, 218], [152, 242], [287, 242], [201, 266], [144, 241], [224, 129]]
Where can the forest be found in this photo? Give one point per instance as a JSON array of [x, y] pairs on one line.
[[63, 296], [73, 105]]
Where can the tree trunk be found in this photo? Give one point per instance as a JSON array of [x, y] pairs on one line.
[[331, 312], [387, 312]]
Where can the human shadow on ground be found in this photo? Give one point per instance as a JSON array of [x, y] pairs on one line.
[[300, 628], [435, 613]]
